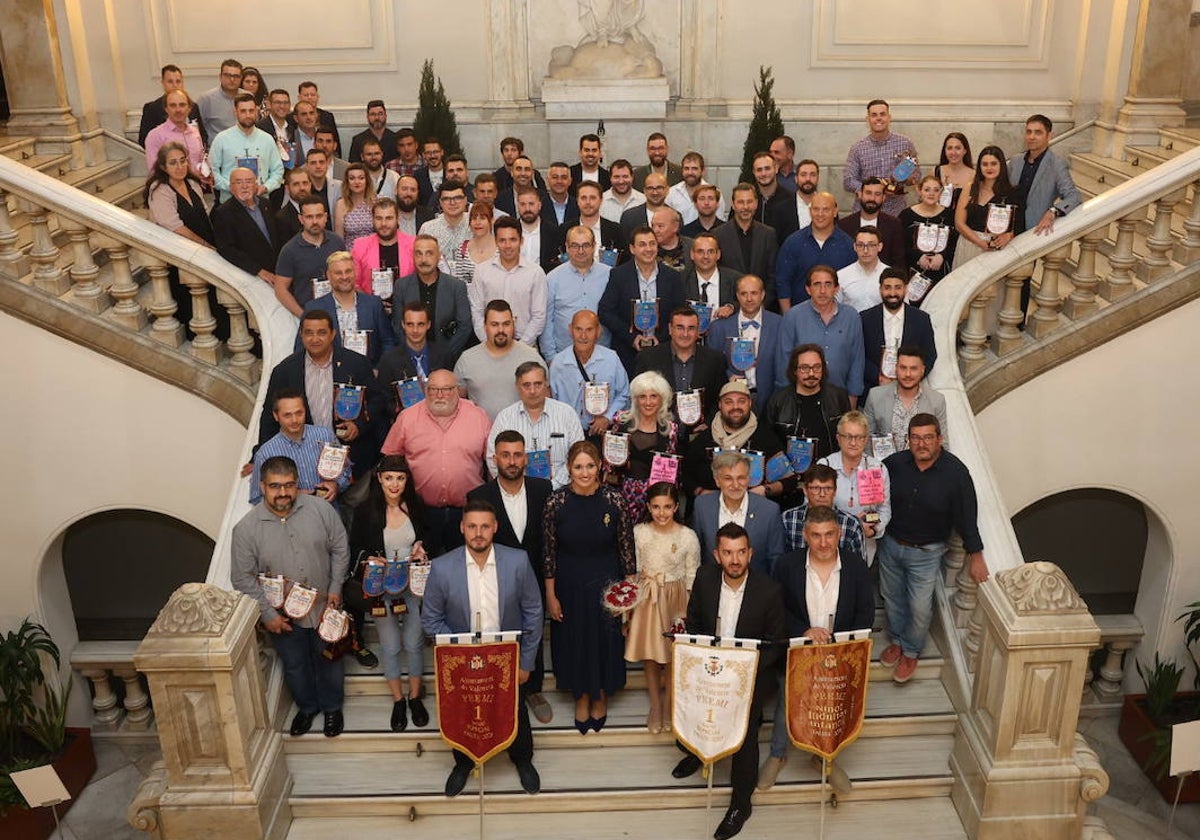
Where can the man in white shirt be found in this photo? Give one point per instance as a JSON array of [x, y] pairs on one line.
[[680, 196], [537, 235], [384, 180], [621, 196], [510, 278], [858, 283], [548, 425]]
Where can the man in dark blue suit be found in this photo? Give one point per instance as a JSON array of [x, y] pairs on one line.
[[496, 583], [369, 316], [642, 278], [891, 325], [751, 320]]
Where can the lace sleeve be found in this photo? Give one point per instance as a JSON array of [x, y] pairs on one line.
[[550, 531], [625, 547]]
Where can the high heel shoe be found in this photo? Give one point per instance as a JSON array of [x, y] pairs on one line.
[[583, 726], [654, 722], [597, 723]]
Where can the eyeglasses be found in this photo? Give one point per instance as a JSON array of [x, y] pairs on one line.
[[435, 389], [922, 438], [580, 246], [820, 490], [231, 75], [853, 438], [285, 485], [454, 198], [866, 246], [809, 368]]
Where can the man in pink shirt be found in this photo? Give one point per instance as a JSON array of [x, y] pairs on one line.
[[386, 249], [179, 129], [444, 438]]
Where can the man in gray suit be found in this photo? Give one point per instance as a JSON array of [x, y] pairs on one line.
[[1043, 177], [889, 407], [735, 503], [445, 297], [498, 585]]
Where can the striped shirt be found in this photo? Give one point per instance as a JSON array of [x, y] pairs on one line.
[[556, 429], [305, 452]]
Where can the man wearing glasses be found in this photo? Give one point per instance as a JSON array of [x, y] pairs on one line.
[[809, 407], [858, 283], [819, 483], [575, 285], [871, 214], [216, 104], [451, 228], [932, 494]]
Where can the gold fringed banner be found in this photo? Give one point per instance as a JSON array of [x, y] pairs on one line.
[[827, 695]]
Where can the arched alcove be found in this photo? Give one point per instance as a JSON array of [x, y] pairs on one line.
[[121, 566]]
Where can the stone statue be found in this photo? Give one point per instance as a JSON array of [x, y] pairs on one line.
[[612, 47]]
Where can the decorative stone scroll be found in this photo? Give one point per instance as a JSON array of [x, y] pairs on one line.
[[196, 609], [1040, 587], [612, 47]]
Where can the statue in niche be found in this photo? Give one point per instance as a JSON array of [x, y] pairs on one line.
[[612, 47]]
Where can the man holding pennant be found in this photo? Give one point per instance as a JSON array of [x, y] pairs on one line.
[[492, 589], [727, 595]]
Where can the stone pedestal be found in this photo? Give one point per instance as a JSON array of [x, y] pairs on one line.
[[34, 76], [1016, 774], [592, 99], [1156, 76], [224, 772]]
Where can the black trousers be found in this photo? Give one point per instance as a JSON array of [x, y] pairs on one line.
[[521, 749], [743, 771]]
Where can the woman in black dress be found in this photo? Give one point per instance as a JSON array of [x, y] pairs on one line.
[[651, 430], [921, 258], [588, 545]]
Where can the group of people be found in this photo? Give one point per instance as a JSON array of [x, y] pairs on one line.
[[619, 387]]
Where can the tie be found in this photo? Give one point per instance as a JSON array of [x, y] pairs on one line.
[[750, 323], [704, 291]]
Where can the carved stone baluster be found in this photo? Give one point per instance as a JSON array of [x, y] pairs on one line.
[[1186, 251], [1007, 337], [47, 275], [124, 289], [1160, 241], [13, 263], [966, 596], [86, 293], [974, 638], [242, 363], [974, 334], [166, 328], [104, 701], [139, 715], [1088, 678], [1082, 300], [1049, 299], [205, 345], [952, 560], [1119, 283], [1112, 671]]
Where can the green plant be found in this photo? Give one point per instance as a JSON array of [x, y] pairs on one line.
[[1191, 631], [434, 116], [765, 125], [20, 674], [1162, 684]]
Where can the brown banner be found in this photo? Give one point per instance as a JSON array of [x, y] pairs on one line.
[[477, 696], [827, 695]]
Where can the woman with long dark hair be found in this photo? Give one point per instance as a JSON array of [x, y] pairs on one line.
[[989, 187], [254, 84], [174, 199]]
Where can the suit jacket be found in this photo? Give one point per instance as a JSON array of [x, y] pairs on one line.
[[602, 176], [783, 217], [708, 372], [551, 244], [506, 200], [1052, 186], [453, 328], [611, 236], [768, 342], [570, 214], [537, 491], [764, 523], [616, 309], [674, 175], [370, 317], [918, 330], [365, 252], [287, 221], [447, 605], [349, 368], [268, 125], [763, 251], [154, 114], [504, 180], [878, 408], [632, 219], [855, 604], [762, 616], [239, 239], [726, 284], [891, 231], [328, 120], [396, 364]]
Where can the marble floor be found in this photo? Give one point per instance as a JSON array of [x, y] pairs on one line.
[[1132, 809]]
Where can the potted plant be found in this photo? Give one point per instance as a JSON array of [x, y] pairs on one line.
[[1146, 719], [33, 728]]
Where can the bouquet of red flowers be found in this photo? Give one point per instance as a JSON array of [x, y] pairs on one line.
[[621, 597], [678, 626]]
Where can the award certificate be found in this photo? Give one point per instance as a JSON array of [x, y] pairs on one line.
[[663, 468], [595, 397], [272, 587], [300, 601], [382, 283], [870, 486], [334, 626]]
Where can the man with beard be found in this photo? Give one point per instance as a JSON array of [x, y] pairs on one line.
[[410, 213], [376, 130], [748, 246], [589, 168], [434, 173], [413, 355], [608, 236], [508, 277], [456, 169], [876, 156], [821, 243], [735, 426], [560, 204], [297, 186], [451, 228], [621, 196], [245, 145], [354, 310], [657, 151], [523, 175], [890, 407], [809, 406], [891, 232], [300, 537], [302, 259], [655, 190], [674, 251], [539, 236], [681, 196], [549, 425], [771, 193], [791, 217], [443, 295], [707, 198], [487, 372], [386, 249], [383, 180], [687, 365], [642, 278], [891, 325], [783, 152], [444, 439]]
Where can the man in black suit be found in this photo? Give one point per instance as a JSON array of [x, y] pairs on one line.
[[771, 192], [747, 246], [414, 354], [891, 232], [687, 365], [642, 278], [891, 325], [519, 501], [641, 215], [707, 281], [244, 227], [589, 168], [756, 613], [848, 604], [280, 123], [308, 92], [376, 130], [589, 197], [559, 201], [523, 175], [332, 366], [541, 239], [789, 217], [154, 112]]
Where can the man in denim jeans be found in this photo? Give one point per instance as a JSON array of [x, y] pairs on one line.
[[932, 494]]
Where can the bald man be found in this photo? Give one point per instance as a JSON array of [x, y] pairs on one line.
[[586, 356], [820, 243]]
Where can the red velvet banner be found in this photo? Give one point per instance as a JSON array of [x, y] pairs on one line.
[[477, 696], [827, 695]]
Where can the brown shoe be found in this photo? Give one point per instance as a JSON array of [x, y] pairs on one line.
[[905, 668], [769, 772], [540, 707]]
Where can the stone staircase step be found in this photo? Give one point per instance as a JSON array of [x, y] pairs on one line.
[[1150, 156], [1179, 139], [930, 819], [19, 148], [54, 164]]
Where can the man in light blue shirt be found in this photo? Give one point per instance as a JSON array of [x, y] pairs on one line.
[[575, 285], [835, 327], [546, 424], [245, 145], [300, 441], [587, 362]]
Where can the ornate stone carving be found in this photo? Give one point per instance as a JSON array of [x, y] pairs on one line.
[[196, 609], [1040, 587], [612, 47]]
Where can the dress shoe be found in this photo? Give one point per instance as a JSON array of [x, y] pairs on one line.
[[334, 724], [457, 780], [365, 658], [838, 780], [531, 782], [583, 726], [769, 772], [399, 716], [540, 707], [420, 715], [302, 722], [735, 818], [687, 766], [597, 723]]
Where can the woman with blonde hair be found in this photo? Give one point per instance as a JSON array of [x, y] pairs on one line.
[[652, 433], [353, 214]]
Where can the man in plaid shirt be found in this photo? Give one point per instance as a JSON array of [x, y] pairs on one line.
[[876, 155]]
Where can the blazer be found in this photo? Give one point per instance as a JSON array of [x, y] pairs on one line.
[[506, 200], [763, 251], [447, 605], [239, 239], [396, 364], [370, 317], [768, 343], [268, 125], [537, 491], [894, 252], [570, 214], [708, 372], [453, 328], [918, 330], [349, 368], [632, 219], [783, 217], [504, 180], [326, 119], [878, 408], [611, 236], [764, 523], [550, 244], [762, 616], [674, 175], [602, 176], [726, 284], [1052, 186], [616, 309], [855, 604], [365, 252]]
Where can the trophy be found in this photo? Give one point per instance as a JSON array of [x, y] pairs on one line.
[[616, 448], [382, 283], [537, 462], [347, 406], [645, 317], [688, 406], [743, 353], [800, 452], [409, 391], [705, 311], [906, 165], [331, 462]]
